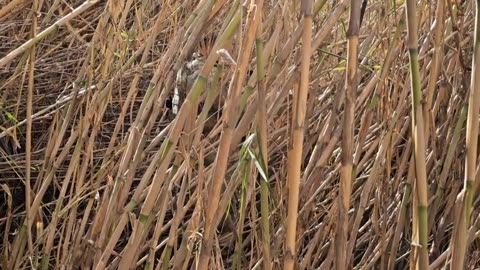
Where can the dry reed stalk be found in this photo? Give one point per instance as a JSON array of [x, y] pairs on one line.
[[228, 119], [459, 242], [347, 175], [9, 7], [297, 138], [27, 45], [102, 137]]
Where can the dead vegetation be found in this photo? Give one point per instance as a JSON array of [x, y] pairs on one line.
[[285, 101]]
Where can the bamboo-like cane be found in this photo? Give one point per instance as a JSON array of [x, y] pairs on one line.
[[351, 82], [262, 135], [459, 238], [420, 219], [226, 139], [296, 143]]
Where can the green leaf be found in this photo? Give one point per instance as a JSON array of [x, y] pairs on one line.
[[124, 35], [344, 26], [11, 117], [259, 164], [245, 145]]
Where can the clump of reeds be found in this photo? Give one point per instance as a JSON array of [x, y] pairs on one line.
[[294, 146]]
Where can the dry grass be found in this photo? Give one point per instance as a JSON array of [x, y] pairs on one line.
[[96, 172]]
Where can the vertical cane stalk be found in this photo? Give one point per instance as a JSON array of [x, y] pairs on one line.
[[459, 240], [296, 143], [341, 234], [420, 218], [262, 142]]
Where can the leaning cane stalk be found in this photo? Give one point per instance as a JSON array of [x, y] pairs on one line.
[[222, 156]]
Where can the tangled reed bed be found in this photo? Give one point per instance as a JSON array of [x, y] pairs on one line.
[[98, 172]]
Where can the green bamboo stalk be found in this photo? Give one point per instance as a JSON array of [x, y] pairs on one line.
[[262, 135], [420, 220]]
